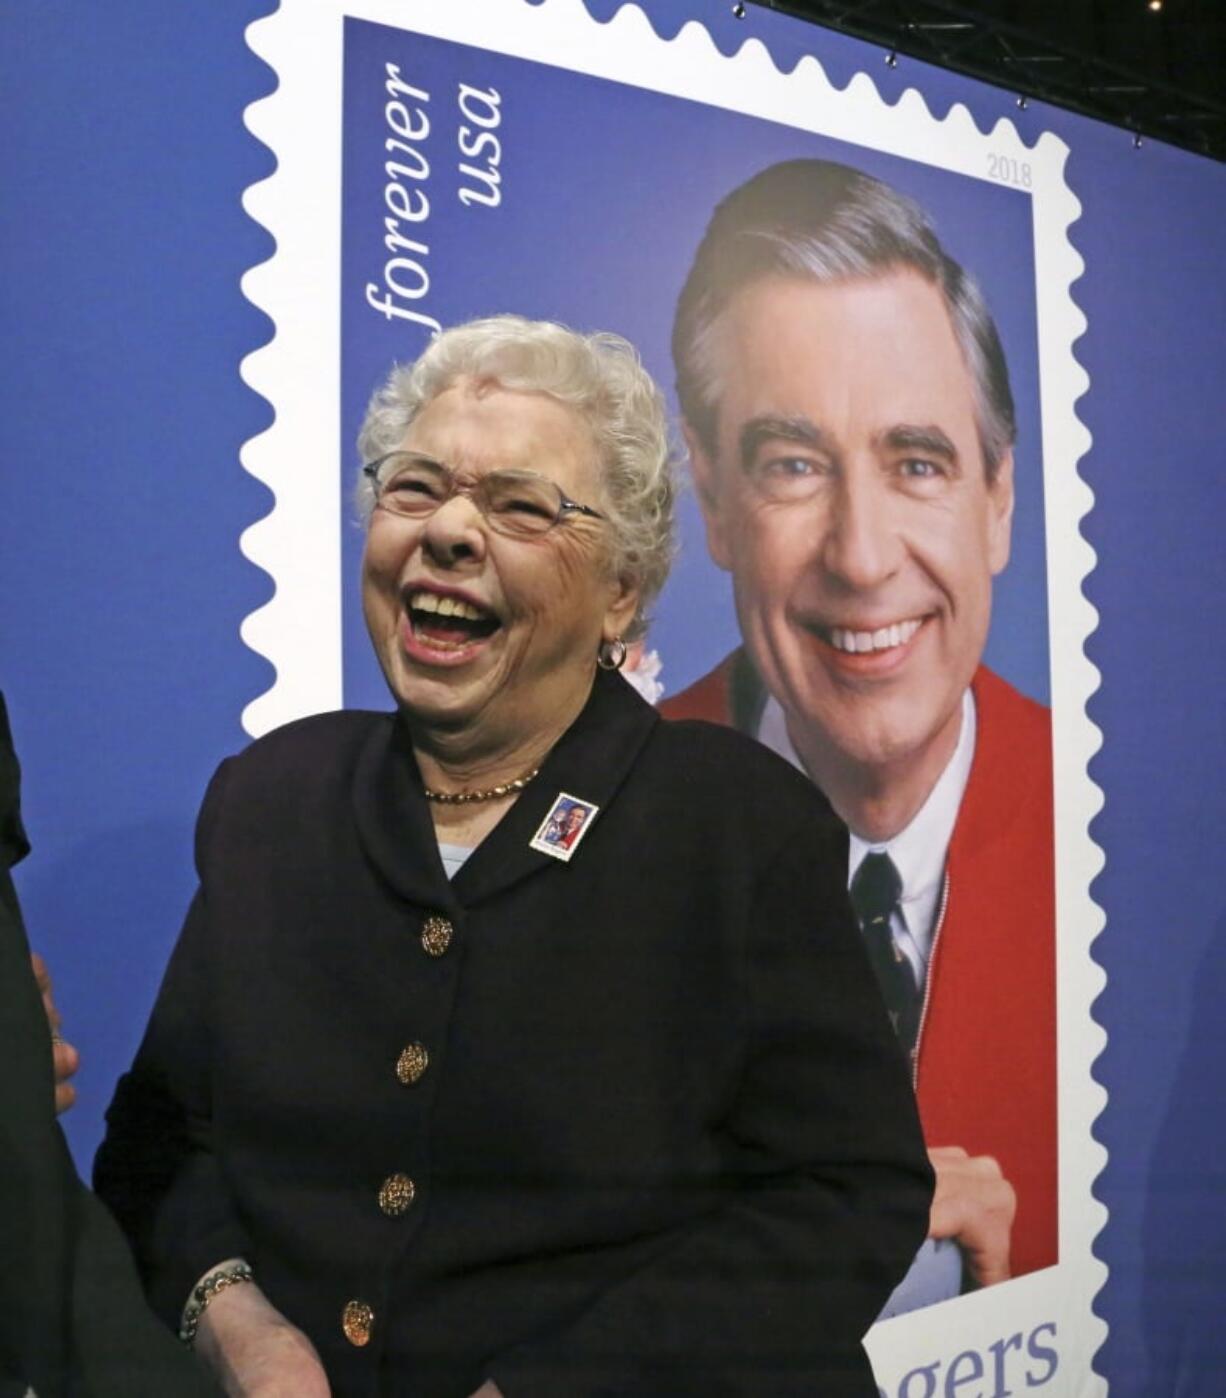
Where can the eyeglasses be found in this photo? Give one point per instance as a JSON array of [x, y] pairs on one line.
[[520, 504]]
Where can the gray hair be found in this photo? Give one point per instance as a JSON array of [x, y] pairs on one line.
[[827, 222], [602, 377]]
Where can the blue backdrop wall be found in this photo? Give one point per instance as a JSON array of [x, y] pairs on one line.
[[121, 249]]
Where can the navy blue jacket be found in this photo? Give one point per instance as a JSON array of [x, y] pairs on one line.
[[664, 1143]]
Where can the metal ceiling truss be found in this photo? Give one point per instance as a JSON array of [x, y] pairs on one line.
[[1025, 63]]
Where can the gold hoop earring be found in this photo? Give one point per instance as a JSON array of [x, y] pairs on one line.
[[612, 654]]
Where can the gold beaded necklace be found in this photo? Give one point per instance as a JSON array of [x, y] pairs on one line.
[[491, 793]]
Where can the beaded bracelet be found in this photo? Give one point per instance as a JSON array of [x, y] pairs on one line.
[[204, 1291]]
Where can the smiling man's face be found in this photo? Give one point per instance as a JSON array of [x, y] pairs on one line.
[[847, 495]]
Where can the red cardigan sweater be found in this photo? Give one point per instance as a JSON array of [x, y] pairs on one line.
[[986, 1063]]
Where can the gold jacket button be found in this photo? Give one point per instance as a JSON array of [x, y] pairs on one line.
[[412, 1064], [357, 1321], [396, 1194], [436, 934]]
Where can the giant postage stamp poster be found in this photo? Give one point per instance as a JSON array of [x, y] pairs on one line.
[[446, 159]]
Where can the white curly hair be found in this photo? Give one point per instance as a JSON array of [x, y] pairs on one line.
[[602, 377]]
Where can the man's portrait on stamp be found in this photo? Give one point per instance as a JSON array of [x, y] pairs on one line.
[[567, 822], [851, 427]]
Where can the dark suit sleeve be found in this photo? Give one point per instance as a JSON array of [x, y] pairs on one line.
[[119, 1350], [72, 1318], [156, 1168], [826, 1205]]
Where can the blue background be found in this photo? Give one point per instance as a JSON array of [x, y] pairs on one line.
[[121, 501]]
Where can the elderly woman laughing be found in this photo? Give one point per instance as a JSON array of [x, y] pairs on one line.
[[518, 1042]]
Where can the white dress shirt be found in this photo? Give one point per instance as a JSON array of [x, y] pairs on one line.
[[918, 852], [919, 849], [453, 856]]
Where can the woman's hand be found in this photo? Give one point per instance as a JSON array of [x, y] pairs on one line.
[[64, 1057], [255, 1351]]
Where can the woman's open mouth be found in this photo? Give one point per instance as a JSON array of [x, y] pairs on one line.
[[446, 623]]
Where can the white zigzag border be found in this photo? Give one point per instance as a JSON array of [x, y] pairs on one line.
[[297, 543]]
